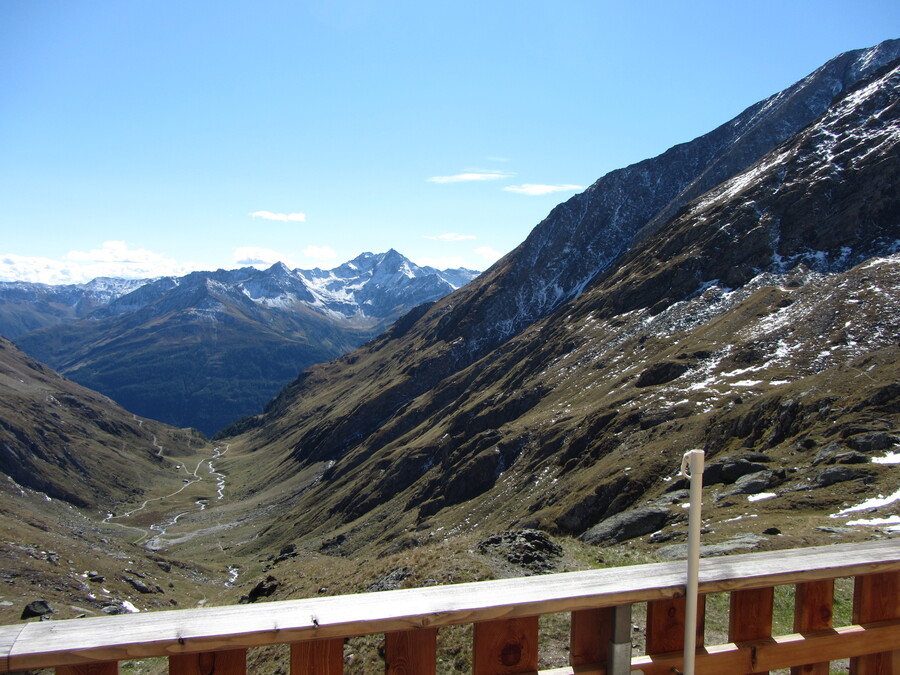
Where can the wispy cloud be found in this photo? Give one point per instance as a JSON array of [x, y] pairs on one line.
[[257, 256], [112, 259], [488, 253], [283, 217], [470, 175], [533, 189], [450, 236]]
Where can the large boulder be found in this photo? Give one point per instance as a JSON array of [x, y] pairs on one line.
[[627, 525]]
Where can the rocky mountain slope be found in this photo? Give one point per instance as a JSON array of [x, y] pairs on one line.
[[60, 438], [205, 349], [70, 462], [759, 323]]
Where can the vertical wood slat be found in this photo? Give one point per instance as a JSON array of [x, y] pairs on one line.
[[411, 652], [750, 616], [101, 668], [813, 610], [505, 646], [590, 633], [665, 624], [225, 662], [318, 657], [876, 597]]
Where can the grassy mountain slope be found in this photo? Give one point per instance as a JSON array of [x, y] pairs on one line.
[[760, 324]]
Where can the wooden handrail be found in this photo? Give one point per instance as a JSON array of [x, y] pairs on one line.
[[319, 621]]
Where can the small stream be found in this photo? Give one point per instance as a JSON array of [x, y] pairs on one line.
[[153, 536]]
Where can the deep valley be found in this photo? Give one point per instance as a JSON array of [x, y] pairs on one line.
[[739, 294]]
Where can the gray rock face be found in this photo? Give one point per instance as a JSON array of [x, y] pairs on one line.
[[627, 525], [754, 483], [872, 442], [730, 470], [741, 542], [839, 474], [36, 608]]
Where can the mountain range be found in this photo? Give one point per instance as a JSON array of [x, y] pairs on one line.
[[206, 349], [739, 293]]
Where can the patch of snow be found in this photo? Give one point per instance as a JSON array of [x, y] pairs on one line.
[[129, 607], [761, 496], [873, 503], [890, 458], [893, 521]]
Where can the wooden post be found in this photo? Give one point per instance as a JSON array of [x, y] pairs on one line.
[[591, 632], [813, 606], [750, 616], [411, 652], [505, 646], [226, 662], [101, 668], [665, 624], [876, 597], [318, 657]]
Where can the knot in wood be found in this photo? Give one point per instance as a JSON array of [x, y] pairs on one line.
[[511, 654]]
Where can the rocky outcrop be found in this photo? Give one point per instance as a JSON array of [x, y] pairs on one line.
[[627, 525], [532, 550]]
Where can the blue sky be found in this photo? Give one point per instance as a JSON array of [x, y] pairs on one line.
[[154, 137]]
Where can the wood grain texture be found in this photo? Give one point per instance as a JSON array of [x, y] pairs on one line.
[[813, 611], [590, 633], [781, 652], [318, 657], [411, 652], [55, 643], [750, 617], [876, 597], [665, 624], [226, 662], [505, 647]]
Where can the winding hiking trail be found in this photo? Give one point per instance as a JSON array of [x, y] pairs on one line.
[[152, 537]]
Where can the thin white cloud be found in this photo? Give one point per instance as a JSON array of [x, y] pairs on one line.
[[112, 259], [319, 253], [533, 189], [450, 236], [470, 176], [488, 253], [282, 217], [257, 256]]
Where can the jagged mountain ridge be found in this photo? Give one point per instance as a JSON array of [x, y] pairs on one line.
[[26, 306], [583, 236], [646, 363], [368, 288], [206, 349]]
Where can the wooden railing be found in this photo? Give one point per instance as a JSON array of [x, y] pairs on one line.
[[505, 617]]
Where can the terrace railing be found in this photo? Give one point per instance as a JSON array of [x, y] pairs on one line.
[[505, 615]]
